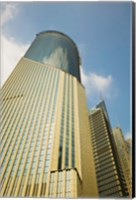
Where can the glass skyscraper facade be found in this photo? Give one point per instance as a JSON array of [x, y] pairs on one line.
[[45, 138], [56, 50]]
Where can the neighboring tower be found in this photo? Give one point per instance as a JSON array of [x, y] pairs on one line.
[[45, 139], [129, 147], [124, 156], [108, 171]]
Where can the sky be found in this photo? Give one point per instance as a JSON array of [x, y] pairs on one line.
[[102, 32]]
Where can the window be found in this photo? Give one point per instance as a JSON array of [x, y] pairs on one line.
[[59, 189], [46, 169]]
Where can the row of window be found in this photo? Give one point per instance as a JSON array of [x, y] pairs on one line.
[[22, 141], [60, 183], [62, 126], [24, 118], [69, 117]]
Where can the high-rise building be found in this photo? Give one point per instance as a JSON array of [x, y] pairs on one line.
[[108, 171], [45, 139], [124, 156], [129, 147]]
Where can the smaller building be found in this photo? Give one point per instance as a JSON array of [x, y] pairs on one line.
[[129, 147], [123, 149], [109, 174]]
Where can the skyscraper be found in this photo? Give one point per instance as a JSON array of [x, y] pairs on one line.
[[129, 147], [108, 170], [124, 156], [46, 145]]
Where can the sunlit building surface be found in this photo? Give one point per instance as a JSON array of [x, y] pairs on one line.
[[45, 140], [129, 147], [110, 180], [124, 156]]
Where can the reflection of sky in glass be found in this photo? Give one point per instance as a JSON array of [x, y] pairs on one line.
[[56, 50], [58, 58]]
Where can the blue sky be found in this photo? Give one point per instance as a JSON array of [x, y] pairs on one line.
[[102, 32]]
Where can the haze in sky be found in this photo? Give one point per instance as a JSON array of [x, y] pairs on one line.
[[102, 32]]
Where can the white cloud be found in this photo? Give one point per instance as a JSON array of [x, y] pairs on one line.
[[11, 49], [96, 84], [8, 11], [58, 56], [11, 52], [128, 135], [99, 82]]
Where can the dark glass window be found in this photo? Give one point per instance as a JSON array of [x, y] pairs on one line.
[[55, 49]]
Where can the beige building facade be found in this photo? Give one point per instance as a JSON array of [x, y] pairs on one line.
[[46, 145], [124, 156], [108, 171], [129, 147]]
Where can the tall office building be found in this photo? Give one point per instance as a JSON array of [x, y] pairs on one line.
[[108, 171], [46, 146], [124, 156], [129, 147]]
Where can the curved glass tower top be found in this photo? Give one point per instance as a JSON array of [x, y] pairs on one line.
[[56, 49]]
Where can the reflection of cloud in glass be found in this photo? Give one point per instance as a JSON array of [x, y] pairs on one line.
[[57, 58]]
